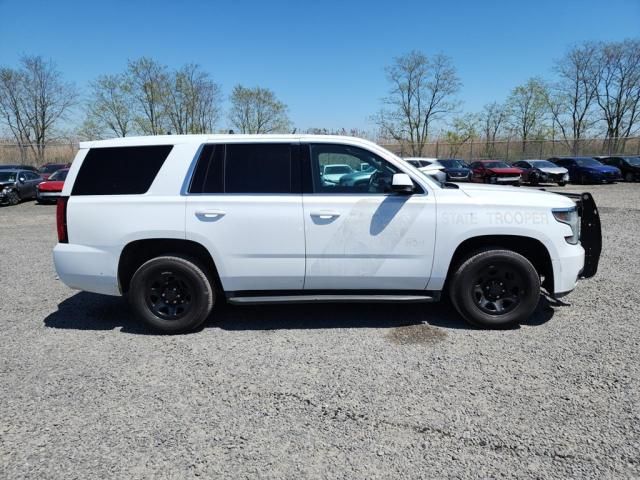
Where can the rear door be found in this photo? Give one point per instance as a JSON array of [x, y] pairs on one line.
[[361, 236], [244, 204]]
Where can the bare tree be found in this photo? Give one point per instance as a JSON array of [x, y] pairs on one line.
[[109, 107], [527, 106], [492, 122], [192, 103], [463, 129], [421, 93], [149, 82], [33, 99], [572, 98], [618, 93], [257, 110]]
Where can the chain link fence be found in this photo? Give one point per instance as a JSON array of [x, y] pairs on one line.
[[509, 150], [514, 150]]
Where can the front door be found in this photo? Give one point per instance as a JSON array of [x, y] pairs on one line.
[[360, 235]]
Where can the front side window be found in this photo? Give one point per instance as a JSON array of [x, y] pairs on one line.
[[339, 169]]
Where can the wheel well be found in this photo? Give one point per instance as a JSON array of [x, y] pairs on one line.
[[138, 252], [530, 248]]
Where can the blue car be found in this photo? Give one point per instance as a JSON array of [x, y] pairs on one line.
[[456, 170], [587, 170]]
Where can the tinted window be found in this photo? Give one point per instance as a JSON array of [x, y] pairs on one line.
[[258, 168], [120, 170], [208, 176]]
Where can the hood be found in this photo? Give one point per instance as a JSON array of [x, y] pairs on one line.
[[51, 186], [505, 171], [431, 168], [603, 169], [554, 170], [513, 196], [7, 184]]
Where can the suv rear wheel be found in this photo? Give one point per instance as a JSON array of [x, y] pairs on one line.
[[495, 288], [171, 294]]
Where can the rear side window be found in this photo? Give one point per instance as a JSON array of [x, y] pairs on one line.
[[243, 168], [120, 170]]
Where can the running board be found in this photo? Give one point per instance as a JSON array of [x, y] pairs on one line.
[[331, 299]]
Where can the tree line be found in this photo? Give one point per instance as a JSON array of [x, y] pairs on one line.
[[593, 91]]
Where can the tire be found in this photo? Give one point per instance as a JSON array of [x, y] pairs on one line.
[[172, 294], [583, 179], [562, 184], [534, 179], [492, 280], [13, 197], [629, 177]]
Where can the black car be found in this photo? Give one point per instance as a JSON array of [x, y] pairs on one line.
[[16, 185], [457, 170], [629, 166]]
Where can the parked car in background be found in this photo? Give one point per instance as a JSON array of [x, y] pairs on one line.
[[49, 190], [456, 170], [333, 173], [17, 166], [49, 168], [628, 166], [587, 170], [542, 171], [357, 178], [17, 185], [495, 171], [428, 166]]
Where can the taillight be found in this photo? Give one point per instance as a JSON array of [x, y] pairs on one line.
[[61, 219]]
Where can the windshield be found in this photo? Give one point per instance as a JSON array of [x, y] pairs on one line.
[[635, 161], [332, 169], [7, 176], [542, 164], [588, 162], [50, 168], [496, 165], [59, 175], [452, 163]]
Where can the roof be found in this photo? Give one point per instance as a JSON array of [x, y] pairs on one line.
[[231, 138]]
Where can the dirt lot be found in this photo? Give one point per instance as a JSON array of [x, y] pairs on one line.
[[329, 391]]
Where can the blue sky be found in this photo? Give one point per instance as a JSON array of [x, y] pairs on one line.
[[325, 59]]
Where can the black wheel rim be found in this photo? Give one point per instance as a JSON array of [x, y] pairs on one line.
[[498, 288], [169, 295]]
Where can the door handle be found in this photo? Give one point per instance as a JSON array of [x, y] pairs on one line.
[[211, 213], [325, 214]]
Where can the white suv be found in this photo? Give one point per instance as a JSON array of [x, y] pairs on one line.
[[177, 222]]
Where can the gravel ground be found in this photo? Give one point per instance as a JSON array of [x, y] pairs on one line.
[[328, 391]]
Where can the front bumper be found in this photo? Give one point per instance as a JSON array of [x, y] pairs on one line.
[[48, 196], [590, 231]]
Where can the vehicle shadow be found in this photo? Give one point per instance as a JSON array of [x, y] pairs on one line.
[[90, 311]]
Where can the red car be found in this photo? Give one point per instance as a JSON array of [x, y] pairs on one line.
[[495, 171], [49, 168], [49, 190]]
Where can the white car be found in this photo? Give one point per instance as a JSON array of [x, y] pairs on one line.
[[428, 166], [542, 171], [177, 222], [333, 173]]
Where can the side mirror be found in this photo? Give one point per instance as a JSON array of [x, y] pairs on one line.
[[402, 183], [21, 179]]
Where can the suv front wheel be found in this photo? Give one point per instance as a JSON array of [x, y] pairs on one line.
[[172, 294], [495, 288]]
